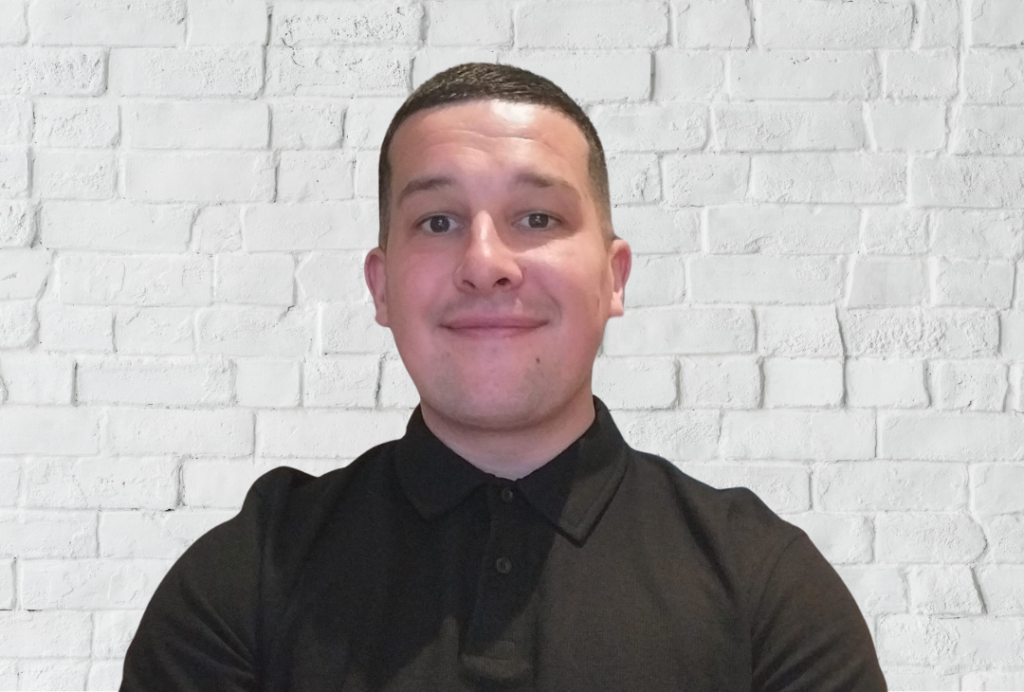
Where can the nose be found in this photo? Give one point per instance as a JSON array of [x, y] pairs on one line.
[[488, 263]]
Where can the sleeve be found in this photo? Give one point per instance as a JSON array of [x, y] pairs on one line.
[[200, 629], [808, 632]]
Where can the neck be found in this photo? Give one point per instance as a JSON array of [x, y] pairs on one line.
[[514, 451]]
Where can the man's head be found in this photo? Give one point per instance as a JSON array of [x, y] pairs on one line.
[[487, 81], [499, 269]]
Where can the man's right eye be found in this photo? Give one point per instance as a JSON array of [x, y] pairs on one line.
[[437, 224]]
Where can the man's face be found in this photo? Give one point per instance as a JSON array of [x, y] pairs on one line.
[[497, 280]]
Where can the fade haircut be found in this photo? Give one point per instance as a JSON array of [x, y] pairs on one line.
[[476, 81]]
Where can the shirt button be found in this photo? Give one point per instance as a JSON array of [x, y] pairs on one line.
[[503, 565], [507, 495]]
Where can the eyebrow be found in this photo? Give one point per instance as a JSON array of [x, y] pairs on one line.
[[438, 182]]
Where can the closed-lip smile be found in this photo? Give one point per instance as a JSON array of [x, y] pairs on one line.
[[493, 324]]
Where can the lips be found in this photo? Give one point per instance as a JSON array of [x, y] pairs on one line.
[[493, 325]]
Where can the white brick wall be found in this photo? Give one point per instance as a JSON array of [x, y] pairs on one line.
[[825, 199]]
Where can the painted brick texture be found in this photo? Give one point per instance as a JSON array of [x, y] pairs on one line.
[[826, 204]]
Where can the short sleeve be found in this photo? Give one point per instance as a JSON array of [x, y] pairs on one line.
[[808, 632], [199, 631]]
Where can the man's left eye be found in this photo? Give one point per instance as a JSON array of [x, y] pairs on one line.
[[538, 220]]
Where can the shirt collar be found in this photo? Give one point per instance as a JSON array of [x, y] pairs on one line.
[[571, 490]]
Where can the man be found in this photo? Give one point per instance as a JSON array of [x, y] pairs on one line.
[[511, 540]]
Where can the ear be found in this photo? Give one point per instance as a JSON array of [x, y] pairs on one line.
[[375, 272], [620, 256]]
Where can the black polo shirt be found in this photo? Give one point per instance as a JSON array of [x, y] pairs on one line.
[[410, 569]]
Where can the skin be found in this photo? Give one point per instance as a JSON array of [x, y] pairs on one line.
[[497, 280]]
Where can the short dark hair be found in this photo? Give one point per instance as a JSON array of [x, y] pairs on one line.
[[475, 81]]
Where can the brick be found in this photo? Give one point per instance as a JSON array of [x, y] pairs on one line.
[[195, 72], [10, 482], [1012, 333], [997, 130], [656, 280], [970, 234], [6, 585], [430, 61], [52, 674], [876, 589], [267, 383], [921, 74], [783, 230], [134, 534], [23, 273], [102, 483], [354, 23], [828, 178], [348, 381], [195, 125], [798, 331], [969, 386], [870, 486], [74, 174], [135, 279], [654, 229], [802, 382], [956, 644], [939, 26], [254, 331], [326, 433], [713, 23], [597, 76], [17, 224], [634, 178], [995, 488], [337, 71], [218, 229], [113, 631], [635, 383], [17, 324], [816, 24], [195, 177], [34, 534], [943, 590], [16, 120], [26, 430], [351, 328], [674, 435], [491, 24], [1006, 537], [711, 382], [764, 279], [781, 487], [367, 119], [397, 389], [832, 75], [117, 226], [335, 277], [997, 23], [886, 281], [66, 633], [179, 431], [908, 126], [910, 332], [993, 681], [817, 435], [874, 383], [366, 173], [153, 331], [262, 279], [680, 330], [777, 127], [227, 22], [950, 437], [696, 76], [1002, 588], [994, 76], [75, 328], [217, 483], [705, 179], [96, 583], [107, 22], [76, 123], [895, 231], [841, 538], [589, 25], [168, 382], [305, 124], [651, 127], [9, 673], [965, 283], [37, 378], [104, 675], [45, 71], [13, 29], [314, 176], [13, 172], [330, 226]]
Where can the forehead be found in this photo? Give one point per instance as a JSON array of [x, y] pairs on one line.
[[489, 132]]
